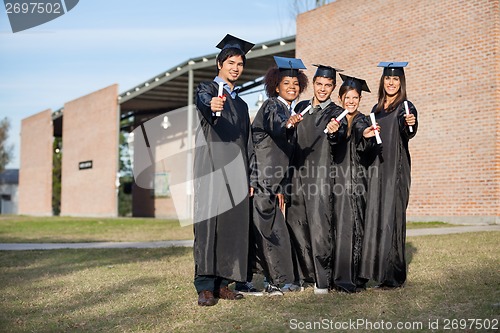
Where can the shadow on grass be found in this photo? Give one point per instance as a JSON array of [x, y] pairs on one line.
[[35, 264], [410, 252], [100, 290]]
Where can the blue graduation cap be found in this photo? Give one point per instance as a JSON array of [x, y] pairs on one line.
[[289, 66], [326, 71], [393, 68], [234, 42], [356, 83]]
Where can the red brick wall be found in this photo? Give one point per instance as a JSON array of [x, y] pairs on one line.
[[90, 133], [35, 172], [453, 78]]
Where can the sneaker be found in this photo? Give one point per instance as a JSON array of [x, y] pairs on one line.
[[320, 291], [291, 287], [247, 288], [273, 290]]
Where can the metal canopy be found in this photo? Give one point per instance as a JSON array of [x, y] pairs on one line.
[[169, 90]]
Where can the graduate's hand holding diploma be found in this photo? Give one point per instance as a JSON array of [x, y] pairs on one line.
[[410, 118], [338, 119], [293, 120], [369, 132], [301, 115], [332, 126], [217, 105]]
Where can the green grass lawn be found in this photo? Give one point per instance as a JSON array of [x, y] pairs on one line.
[[26, 229], [150, 290], [450, 277]]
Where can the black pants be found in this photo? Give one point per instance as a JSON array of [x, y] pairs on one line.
[[209, 282]]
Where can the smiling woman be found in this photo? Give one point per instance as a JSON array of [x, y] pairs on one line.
[[274, 137]]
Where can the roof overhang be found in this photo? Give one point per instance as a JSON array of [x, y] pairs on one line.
[[169, 90]]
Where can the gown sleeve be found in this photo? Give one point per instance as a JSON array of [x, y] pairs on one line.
[[275, 123], [363, 145], [340, 135], [204, 94]]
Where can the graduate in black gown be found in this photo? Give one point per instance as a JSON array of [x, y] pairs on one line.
[[309, 216], [383, 252], [223, 154], [274, 139], [351, 162]]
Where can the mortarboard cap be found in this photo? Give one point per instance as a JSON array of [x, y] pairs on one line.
[[326, 71], [393, 68], [289, 66], [234, 42], [358, 84]]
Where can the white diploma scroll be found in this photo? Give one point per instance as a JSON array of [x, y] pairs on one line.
[[302, 113], [407, 113], [374, 123], [338, 119], [221, 94]]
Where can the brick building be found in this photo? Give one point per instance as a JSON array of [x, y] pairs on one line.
[[453, 78]]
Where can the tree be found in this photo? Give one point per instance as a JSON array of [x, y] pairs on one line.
[[126, 179], [6, 150], [300, 6], [56, 175]]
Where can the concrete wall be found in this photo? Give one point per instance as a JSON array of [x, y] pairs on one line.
[[35, 173], [90, 133], [453, 78]]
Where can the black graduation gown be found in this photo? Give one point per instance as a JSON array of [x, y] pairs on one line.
[[223, 152], [309, 216], [383, 252], [351, 164], [273, 144]]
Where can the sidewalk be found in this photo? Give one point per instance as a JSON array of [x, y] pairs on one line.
[[189, 243]]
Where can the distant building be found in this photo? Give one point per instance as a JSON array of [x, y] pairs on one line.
[[9, 183]]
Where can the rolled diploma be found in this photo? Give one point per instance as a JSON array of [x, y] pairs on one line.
[[302, 113], [338, 119], [408, 112], [374, 123], [221, 94]]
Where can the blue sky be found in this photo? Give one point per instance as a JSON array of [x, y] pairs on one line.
[[100, 43]]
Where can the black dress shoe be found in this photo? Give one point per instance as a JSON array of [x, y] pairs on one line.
[[225, 293], [206, 298]]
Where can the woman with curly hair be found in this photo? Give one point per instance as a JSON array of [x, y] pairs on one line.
[[273, 131]]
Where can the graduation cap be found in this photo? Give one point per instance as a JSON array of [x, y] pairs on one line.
[[358, 84], [234, 42], [326, 71], [289, 66], [393, 68]]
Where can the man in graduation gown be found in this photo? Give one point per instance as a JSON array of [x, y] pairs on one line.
[[224, 151], [309, 216]]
